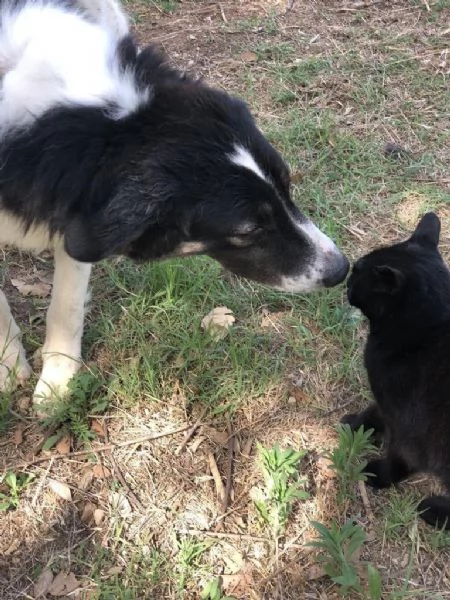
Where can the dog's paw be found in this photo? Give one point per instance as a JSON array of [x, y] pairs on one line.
[[54, 381], [435, 510], [14, 370]]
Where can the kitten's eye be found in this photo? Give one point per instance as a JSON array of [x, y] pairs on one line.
[[357, 267]]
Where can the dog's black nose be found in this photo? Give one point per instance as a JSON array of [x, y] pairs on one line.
[[338, 273]]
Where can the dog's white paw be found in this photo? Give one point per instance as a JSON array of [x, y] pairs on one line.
[[56, 374], [14, 369]]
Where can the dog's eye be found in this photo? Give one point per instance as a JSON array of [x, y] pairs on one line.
[[244, 238], [246, 230], [253, 231]]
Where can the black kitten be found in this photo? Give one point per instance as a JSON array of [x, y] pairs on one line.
[[404, 291]]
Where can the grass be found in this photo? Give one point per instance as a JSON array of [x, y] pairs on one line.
[[287, 369]]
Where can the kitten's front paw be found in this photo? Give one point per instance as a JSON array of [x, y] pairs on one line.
[[378, 473], [355, 420], [435, 510]]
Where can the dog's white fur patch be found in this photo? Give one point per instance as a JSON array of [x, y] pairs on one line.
[[50, 57], [108, 14], [12, 233], [187, 248], [325, 249], [61, 353], [14, 367], [243, 158], [321, 242]]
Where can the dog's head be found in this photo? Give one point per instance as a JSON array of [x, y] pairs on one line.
[[197, 176], [402, 280]]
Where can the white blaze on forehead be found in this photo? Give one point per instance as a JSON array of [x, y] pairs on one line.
[[243, 158]]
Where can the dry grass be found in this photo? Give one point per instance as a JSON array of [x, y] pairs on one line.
[[141, 512]]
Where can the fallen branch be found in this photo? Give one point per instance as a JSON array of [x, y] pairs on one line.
[[232, 536], [105, 448], [229, 475], [216, 476], [365, 500], [222, 12], [191, 432]]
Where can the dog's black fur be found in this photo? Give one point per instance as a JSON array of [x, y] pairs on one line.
[[404, 291], [160, 177]]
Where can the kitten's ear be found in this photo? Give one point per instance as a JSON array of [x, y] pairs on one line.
[[427, 231], [388, 279]]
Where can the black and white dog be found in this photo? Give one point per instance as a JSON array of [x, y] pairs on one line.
[[105, 149]]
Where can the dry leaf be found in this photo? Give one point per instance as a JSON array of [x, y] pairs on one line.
[[197, 443], [218, 437], [87, 514], [86, 480], [40, 289], [114, 571], [324, 468], [247, 449], [60, 489], [63, 446], [101, 472], [63, 584], [99, 515], [218, 321], [238, 583], [23, 404], [43, 584], [120, 503], [315, 572], [18, 434], [248, 56], [98, 427]]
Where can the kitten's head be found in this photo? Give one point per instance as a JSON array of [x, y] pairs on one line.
[[407, 278]]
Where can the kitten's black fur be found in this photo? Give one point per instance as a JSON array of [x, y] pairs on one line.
[[404, 291]]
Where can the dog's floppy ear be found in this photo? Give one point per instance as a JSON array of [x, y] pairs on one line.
[[427, 231], [94, 237], [388, 280]]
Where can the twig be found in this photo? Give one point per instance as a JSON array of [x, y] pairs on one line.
[[41, 483], [118, 473], [365, 500], [354, 232], [222, 12], [340, 407], [216, 476], [289, 6], [427, 6], [129, 492], [40, 443], [191, 432], [105, 448], [232, 536], [229, 476]]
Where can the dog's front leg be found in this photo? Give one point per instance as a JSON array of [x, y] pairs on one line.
[[61, 353], [14, 368]]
